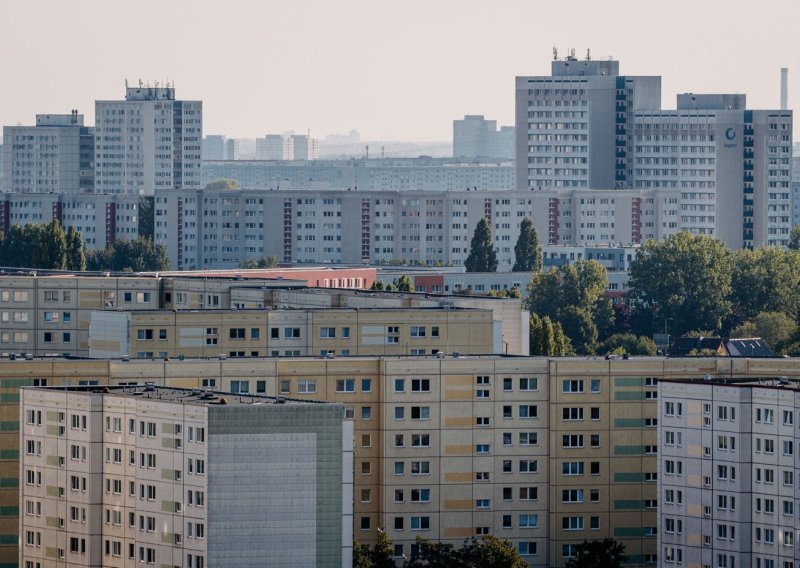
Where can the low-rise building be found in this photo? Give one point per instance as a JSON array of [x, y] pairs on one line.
[[177, 477]]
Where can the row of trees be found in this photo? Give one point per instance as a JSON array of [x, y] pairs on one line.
[[48, 247], [488, 552], [483, 258], [686, 284]]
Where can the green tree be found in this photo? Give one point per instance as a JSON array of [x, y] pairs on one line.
[[627, 344], [574, 296], [685, 279], [52, 247], [76, 253], [404, 283], [527, 252], [764, 280], [776, 328], [224, 184], [547, 339], [606, 553], [262, 262], [147, 217], [482, 256], [139, 255], [377, 285], [794, 238]]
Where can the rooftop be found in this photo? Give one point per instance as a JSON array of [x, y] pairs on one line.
[[194, 396]]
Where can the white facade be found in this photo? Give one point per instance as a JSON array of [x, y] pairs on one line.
[[275, 147], [54, 156], [148, 142], [727, 474], [213, 228], [474, 137], [177, 477]]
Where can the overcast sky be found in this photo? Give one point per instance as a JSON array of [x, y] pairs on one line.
[[393, 70]]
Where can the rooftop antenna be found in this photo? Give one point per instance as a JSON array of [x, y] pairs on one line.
[[555, 53], [126, 83], [140, 83], [588, 54], [784, 88]]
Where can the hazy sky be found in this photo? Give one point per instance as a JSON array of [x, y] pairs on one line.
[[393, 70]]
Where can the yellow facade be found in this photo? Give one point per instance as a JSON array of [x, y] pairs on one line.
[[480, 475]]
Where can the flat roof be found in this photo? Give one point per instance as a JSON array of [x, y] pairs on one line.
[[195, 396]]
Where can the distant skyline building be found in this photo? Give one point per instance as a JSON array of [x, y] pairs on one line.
[[213, 147], [275, 147], [305, 147], [587, 126], [54, 156], [476, 137], [150, 141]]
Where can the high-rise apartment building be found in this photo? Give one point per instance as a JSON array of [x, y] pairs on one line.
[[148, 142], [213, 147], [305, 147], [54, 156], [176, 477], [728, 473], [275, 147], [572, 125], [476, 137], [587, 126]]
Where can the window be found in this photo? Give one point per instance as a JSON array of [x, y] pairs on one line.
[[420, 385], [420, 413], [307, 386], [572, 441], [291, 333], [420, 523], [482, 448], [366, 385], [417, 331], [422, 495], [528, 384], [572, 523], [240, 386], [528, 521], [481, 503], [528, 466], [420, 468], [572, 496], [528, 411], [572, 413], [572, 386], [595, 385], [528, 493], [420, 440], [528, 439], [345, 385], [399, 385], [527, 548], [572, 468], [399, 413]]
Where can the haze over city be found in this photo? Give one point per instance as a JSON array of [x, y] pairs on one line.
[[393, 71]]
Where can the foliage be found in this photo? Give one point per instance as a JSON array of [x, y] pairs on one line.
[[765, 280], [574, 296], [606, 553], [404, 283], [776, 328], [482, 256], [527, 252], [35, 246], [627, 344], [547, 339], [488, 552], [380, 555], [794, 238], [705, 352], [685, 279], [147, 217], [512, 292], [76, 253], [224, 184], [377, 285], [262, 262], [139, 255]]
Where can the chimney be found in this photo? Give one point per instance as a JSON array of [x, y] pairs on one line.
[[784, 88]]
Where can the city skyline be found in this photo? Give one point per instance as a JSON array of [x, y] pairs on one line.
[[372, 59]]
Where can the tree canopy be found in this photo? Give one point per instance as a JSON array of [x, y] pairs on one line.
[[527, 252], [224, 184], [794, 238], [627, 344], [138, 255], [606, 553], [574, 297], [44, 246], [261, 262], [764, 280], [685, 279], [482, 256]]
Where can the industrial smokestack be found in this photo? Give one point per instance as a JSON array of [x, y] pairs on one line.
[[784, 88]]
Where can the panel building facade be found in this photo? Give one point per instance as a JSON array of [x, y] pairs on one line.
[[148, 142], [175, 477]]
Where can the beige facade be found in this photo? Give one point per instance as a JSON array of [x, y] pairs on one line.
[[51, 315], [605, 482]]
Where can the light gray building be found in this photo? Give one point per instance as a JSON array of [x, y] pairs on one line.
[[213, 147], [148, 142], [795, 190], [476, 137], [220, 228], [407, 174], [54, 156], [183, 477], [727, 474], [274, 147], [572, 124]]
